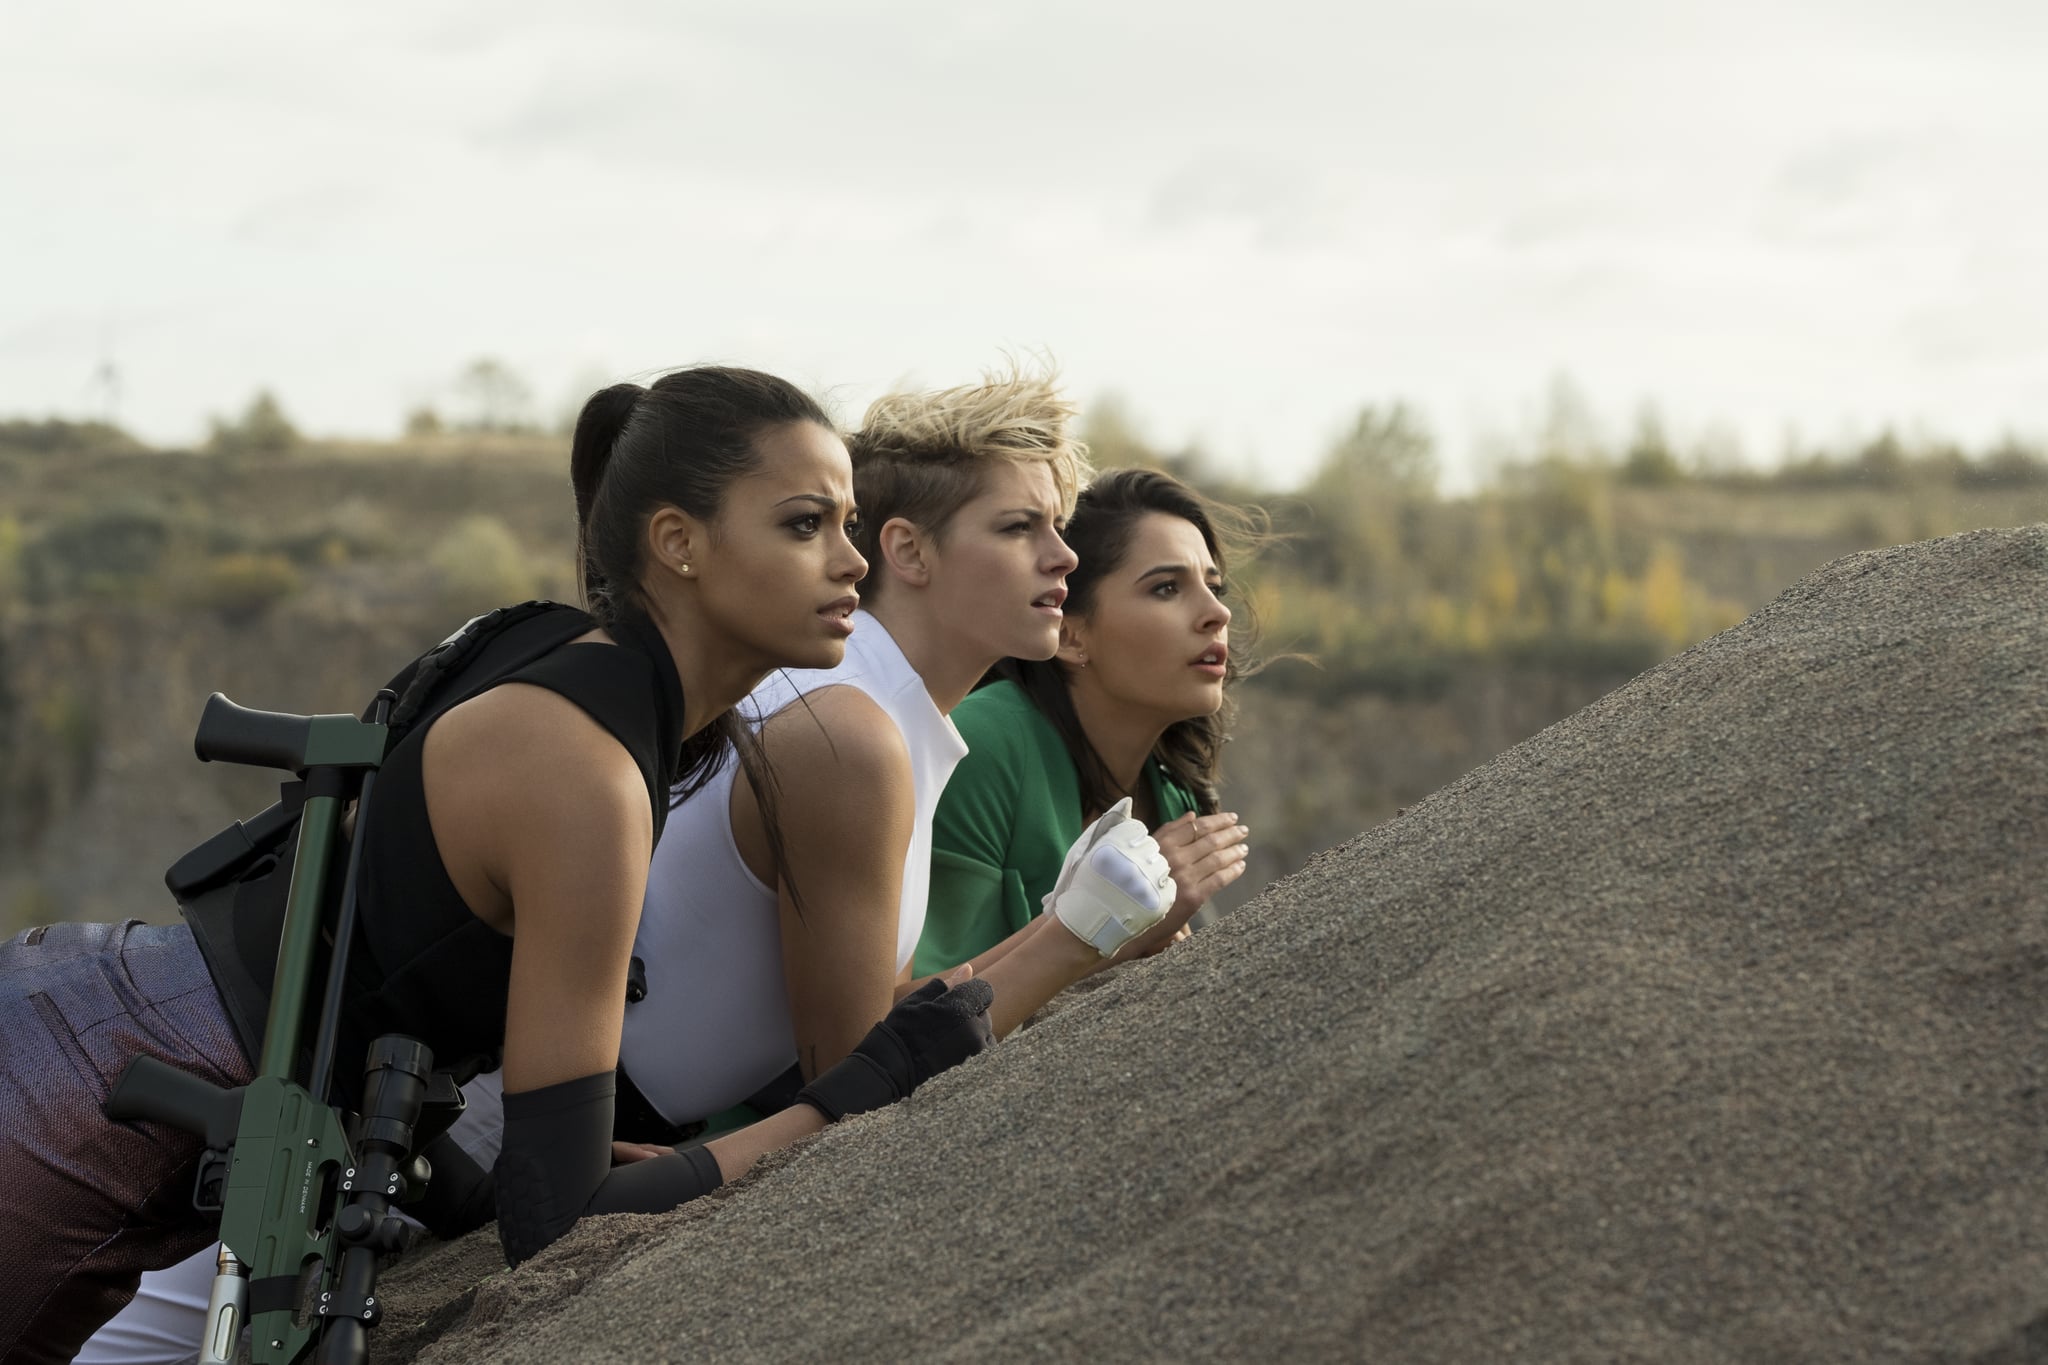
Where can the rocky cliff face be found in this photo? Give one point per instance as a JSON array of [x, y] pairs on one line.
[[1704, 1026], [146, 581], [97, 709]]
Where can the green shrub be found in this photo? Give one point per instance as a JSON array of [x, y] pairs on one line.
[[11, 539], [481, 564], [2011, 465], [55, 436], [262, 429], [354, 528], [104, 552], [242, 584]]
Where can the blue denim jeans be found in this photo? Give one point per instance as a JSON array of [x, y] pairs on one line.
[[87, 1204]]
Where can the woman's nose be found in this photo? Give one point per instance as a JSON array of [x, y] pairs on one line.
[[853, 566]]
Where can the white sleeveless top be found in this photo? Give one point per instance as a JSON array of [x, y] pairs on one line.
[[715, 1026]]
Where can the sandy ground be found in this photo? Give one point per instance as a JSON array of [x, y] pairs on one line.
[[1707, 1025]]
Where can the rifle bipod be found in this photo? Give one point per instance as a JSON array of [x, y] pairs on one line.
[[305, 1204]]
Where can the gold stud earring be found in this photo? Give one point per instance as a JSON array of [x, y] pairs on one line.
[[685, 568]]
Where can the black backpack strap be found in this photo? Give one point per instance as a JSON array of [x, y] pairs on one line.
[[418, 683], [232, 889]]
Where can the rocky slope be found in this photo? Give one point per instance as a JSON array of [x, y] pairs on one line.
[[1707, 1025]]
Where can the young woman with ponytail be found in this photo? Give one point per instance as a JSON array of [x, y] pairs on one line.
[[1134, 705], [504, 864]]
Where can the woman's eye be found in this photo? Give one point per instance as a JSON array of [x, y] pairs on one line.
[[853, 529], [807, 526], [1020, 526], [1166, 589], [1219, 590]]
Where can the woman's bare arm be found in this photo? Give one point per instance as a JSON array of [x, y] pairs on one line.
[[1037, 962], [547, 839], [846, 809]]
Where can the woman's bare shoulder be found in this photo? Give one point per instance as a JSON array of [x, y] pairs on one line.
[[839, 730], [522, 771]]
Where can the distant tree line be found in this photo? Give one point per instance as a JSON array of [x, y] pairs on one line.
[[1576, 554]]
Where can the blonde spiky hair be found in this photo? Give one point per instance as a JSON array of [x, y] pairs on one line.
[[924, 456]]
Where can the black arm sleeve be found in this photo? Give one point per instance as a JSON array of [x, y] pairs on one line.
[[556, 1166]]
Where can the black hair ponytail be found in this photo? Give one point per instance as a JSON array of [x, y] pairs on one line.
[[598, 429], [680, 442]]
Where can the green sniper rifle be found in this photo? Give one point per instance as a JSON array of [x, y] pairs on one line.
[[304, 1194]]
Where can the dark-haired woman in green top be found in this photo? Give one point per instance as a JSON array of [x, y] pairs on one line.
[[1133, 705]]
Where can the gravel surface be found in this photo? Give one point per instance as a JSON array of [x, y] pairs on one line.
[[1707, 1025]]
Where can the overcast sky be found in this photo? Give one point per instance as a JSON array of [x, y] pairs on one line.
[[1247, 220]]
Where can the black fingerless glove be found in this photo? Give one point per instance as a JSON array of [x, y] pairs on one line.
[[930, 1029]]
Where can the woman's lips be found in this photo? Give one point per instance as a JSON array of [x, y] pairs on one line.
[[838, 616]]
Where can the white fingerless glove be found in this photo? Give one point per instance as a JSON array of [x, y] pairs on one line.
[[1114, 884]]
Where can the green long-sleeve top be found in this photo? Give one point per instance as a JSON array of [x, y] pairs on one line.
[[1009, 814]]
